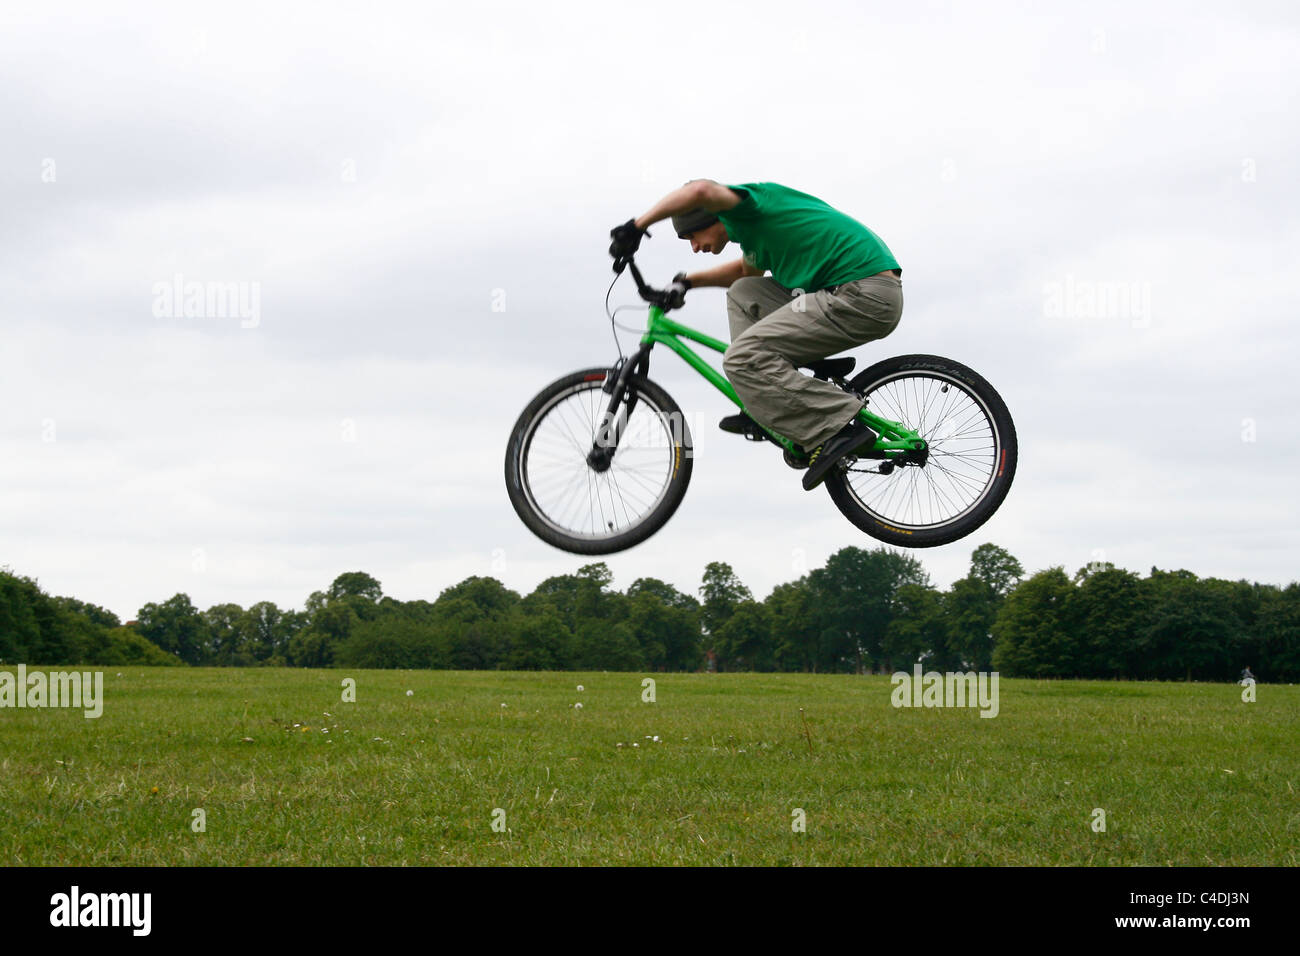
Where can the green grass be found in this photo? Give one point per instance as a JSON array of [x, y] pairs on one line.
[[1187, 774]]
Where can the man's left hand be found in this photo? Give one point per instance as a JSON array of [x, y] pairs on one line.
[[627, 239]]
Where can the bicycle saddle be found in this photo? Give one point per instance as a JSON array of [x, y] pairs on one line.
[[831, 368]]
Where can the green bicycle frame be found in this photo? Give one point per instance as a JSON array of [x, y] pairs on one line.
[[894, 437]]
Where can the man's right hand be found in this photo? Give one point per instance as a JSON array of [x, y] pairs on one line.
[[627, 239], [675, 294]]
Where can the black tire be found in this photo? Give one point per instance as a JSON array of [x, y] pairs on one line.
[[923, 506], [574, 406]]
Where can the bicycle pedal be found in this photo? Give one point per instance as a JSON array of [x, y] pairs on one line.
[[736, 424]]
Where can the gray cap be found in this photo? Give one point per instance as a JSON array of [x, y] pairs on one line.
[[693, 220]]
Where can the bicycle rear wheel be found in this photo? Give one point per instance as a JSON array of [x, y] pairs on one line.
[[965, 476], [566, 502]]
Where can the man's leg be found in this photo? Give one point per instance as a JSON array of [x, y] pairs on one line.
[[761, 361], [750, 298]]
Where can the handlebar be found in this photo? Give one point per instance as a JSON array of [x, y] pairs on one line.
[[654, 296]]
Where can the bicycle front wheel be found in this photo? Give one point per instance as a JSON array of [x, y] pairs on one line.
[[967, 472], [568, 503]]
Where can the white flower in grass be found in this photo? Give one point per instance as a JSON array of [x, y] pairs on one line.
[[410, 693], [581, 688], [577, 706]]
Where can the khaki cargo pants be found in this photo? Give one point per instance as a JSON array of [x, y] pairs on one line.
[[773, 331]]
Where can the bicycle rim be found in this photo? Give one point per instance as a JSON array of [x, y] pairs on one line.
[[567, 494]]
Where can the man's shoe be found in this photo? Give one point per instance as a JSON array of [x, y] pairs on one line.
[[820, 460], [738, 424]]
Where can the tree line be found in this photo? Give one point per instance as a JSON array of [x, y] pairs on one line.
[[864, 611]]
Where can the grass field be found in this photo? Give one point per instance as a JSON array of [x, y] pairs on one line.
[[286, 773]]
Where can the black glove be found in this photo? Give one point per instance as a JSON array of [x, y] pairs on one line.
[[627, 239], [675, 294]]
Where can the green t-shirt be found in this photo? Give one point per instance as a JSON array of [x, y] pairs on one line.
[[805, 243]]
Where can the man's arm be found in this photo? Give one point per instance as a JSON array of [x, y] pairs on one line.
[[698, 193], [722, 275]]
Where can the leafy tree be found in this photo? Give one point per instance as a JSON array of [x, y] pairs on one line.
[[176, 626], [996, 569], [668, 634], [602, 646], [19, 630], [477, 618], [862, 610], [93, 613], [479, 644], [1245, 603], [722, 592], [853, 598], [665, 592], [598, 574], [1279, 626], [359, 592], [37, 628], [356, 584], [330, 626], [228, 643], [1189, 629], [919, 630], [795, 632], [971, 607], [60, 634], [123, 647], [541, 643], [393, 642], [1107, 611], [744, 641], [267, 631], [575, 598], [972, 604], [487, 595], [1032, 632]]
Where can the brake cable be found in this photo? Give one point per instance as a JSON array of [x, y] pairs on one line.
[[642, 288], [612, 325]]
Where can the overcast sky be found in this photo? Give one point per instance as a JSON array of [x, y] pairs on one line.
[[1095, 205]]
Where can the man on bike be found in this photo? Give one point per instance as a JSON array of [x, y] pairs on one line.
[[834, 285]]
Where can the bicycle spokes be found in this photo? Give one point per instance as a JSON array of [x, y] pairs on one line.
[[957, 467], [592, 474]]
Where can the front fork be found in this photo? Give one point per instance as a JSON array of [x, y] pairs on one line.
[[622, 402]]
